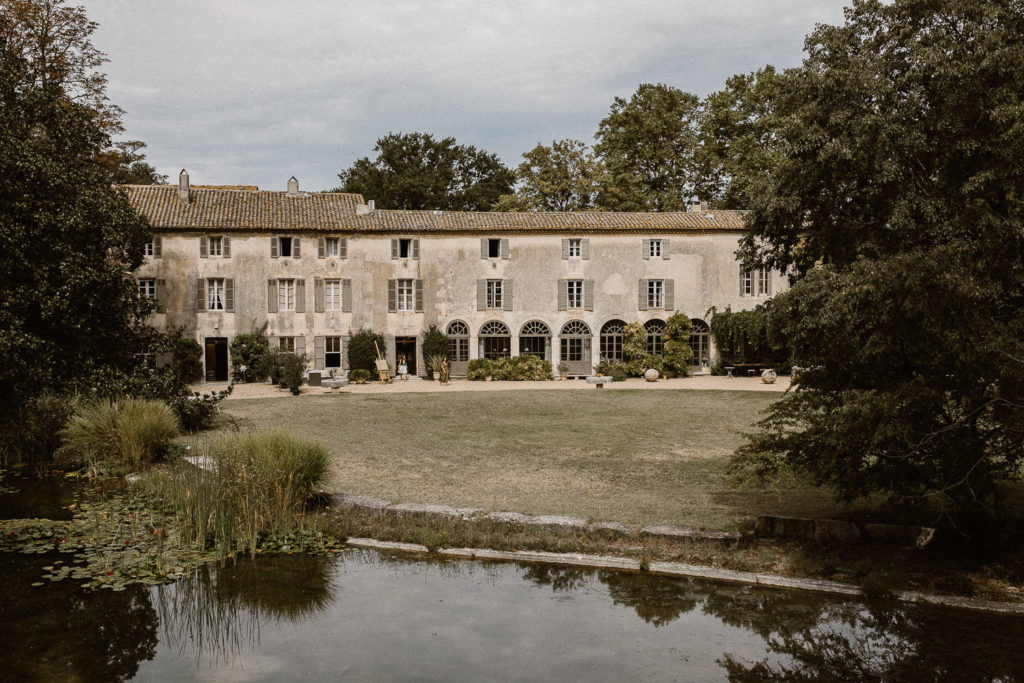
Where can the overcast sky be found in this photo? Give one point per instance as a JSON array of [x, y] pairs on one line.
[[253, 92]]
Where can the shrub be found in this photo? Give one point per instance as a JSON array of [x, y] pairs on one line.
[[359, 375], [186, 359], [269, 365], [516, 369], [248, 349], [292, 367], [612, 368], [638, 366], [435, 343], [678, 355], [120, 435], [634, 341], [362, 351], [34, 431], [480, 368], [196, 412]]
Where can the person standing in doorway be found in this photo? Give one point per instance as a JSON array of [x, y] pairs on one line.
[[403, 369]]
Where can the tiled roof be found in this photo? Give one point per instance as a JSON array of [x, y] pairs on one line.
[[255, 210]]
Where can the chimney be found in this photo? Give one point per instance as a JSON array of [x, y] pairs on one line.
[[696, 206], [183, 186], [364, 209], [293, 187]]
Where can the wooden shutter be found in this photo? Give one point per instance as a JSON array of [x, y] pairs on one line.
[[642, 301], [670, 295], [321, 247], [300, 296], [300, 345], [664, 248], [481, 295], [229, 295], [392, 296], [419, 296], [415, 244], [200, 294], [565, 250], [318, 294], [484, 247], [274, 343], [647, 249], [504, 247], [203, 247], [506, 295], [563, 295], [346, 296], [296, 247], [588, 295], [741, 280], [318, 352], [585, 249], [272, 296], [394, 248], [342, 247], [161, 294], [158, 246], [275, 247], [768, 282], [226, 246]]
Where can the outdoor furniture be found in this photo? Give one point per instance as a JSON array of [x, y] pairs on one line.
[[728, 371], [599, 380], [313, 378], [334, 384]]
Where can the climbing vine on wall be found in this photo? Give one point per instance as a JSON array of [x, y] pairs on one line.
[[742, 335]]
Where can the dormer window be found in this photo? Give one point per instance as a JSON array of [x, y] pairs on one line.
[[404, 248], [285, 246]]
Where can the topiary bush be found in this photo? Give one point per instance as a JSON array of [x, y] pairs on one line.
[[119, 436], [292, 367], [361, 350], [434, 343]]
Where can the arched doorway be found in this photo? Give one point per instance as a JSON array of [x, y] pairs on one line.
[[458, 347], [534, 340], [655, 337], [575, 348], [495, 340], [611, 340], [700, 342]]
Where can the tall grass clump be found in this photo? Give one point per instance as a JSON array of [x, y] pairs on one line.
[[255, 485], [120, 435]]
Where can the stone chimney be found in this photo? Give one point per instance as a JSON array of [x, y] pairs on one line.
[[293, 187], [183, 186], [696, 207], [364, 209]]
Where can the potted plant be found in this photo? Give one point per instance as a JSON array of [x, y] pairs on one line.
[[360, 375], [563, 369], [435, 362]]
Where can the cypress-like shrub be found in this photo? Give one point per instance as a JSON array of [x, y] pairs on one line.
[[361, 350]]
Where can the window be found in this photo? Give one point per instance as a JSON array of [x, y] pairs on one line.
[[533, 339], [332, 352], [285, 246], [332, 295], [458, 342], [147, 289], [493, 248], [574, 294], [404, 250], [756, 282], [149, 250], [215, 294], [655, 337], [655, 294], [494, 299], [405, 295], [575, 341], [286, 344], [331, 247], [653, 249], [286, 295], [575, 248], [611, 340], [700, 342], [764, 283], [495, 340], [746, 283], [216, 246]]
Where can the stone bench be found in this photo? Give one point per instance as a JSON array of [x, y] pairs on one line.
[[334, 384], [599, 380]]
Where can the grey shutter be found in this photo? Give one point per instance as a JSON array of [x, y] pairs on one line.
[[647, 249], [506, 295], [296, 247], [158, 246], [229, 295], [642, 300], [300, 296], [565, 249], [670, 295], [664, 248], [318, 294], [588, 295], [342, 247], [419, 296], [200, 294], [483, 247], [161, 294], [318, 353], [481, 295], [768, 284], [394, 248], [202, 247], [274, 247], [274, 343], [392, 296], [585, 249], [563, 295], [226, 247], [416, 249], [389, 351], [300, 345], [504, 247], [741, 280], [321, 247], [271, 296], [346, 296]]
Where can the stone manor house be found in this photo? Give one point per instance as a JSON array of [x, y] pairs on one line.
[[319, 266]]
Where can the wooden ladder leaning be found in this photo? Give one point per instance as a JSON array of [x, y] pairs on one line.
[[383, 372]]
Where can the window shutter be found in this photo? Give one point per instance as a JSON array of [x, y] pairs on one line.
[[226, 246], [741, 280], [416, 249], [274, 247], [565, 249], [272, 296], [588, 295], [318, 353], [419, 296], [642, 301], [320, 247], [647, 249], [296, 248], [483, 247], [665, 243], [504, 247], [161, 294], [585, 249], [318, 294], [229, 295], [394, 248], [768, 283], [200, 294], [670, 295], [202, 247], [392, 295], [563, 295], [481, 295], [300, 346], [346, 296], [300, 296], [274, 343], [158, 246], [506, 295], [342, 247]]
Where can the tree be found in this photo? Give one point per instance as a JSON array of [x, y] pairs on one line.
[[562, 177], [415, 171], [647, 146], [898, 204]]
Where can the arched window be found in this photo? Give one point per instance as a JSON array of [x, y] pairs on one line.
[[575, 347], [611, 340], [655, 337], [495, 340], [458, 342], [700, 342], [533, 339]]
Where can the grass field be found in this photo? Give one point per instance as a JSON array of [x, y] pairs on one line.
[[640, 457]]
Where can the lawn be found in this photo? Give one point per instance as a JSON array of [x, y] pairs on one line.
[[640, 457]]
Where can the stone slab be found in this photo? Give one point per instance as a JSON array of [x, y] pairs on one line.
[[428, 510], [509, 517], [558, 521], [687, 533], [386, 545], [613, 528]]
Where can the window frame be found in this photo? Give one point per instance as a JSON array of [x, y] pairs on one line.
[[147, 288], [405, 295], [334, 296], [149, 249], [285, 289], [282, 240], [654, 248], [574, 299], [215, 294], [575, 247], [656, 294], [329, 353], [494, 295], [332, 247], [215, 246], [286, 344]]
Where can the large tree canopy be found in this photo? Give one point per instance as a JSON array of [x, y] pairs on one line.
[[898, 199], [563, 177], [416, 171]]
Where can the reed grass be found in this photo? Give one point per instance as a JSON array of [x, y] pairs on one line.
[[119, 435]]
